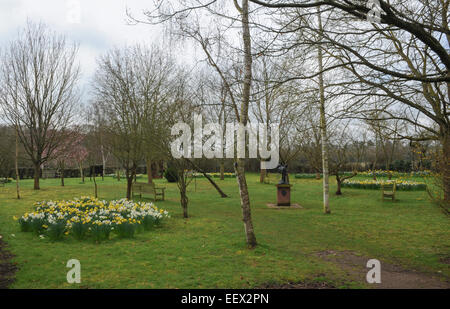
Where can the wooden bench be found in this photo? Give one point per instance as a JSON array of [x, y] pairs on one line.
[[388, 191], [140, 188], [3, 182]]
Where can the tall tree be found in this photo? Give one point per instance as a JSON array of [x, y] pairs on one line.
[[323, 122], [38, 93], [193, 31], [401, 61]]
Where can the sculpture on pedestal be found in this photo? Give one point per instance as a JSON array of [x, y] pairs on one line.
[[283, 170]]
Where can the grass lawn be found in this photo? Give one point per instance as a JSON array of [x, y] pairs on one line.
[[208, 249]]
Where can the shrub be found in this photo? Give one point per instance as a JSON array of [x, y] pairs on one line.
[[171, 174]]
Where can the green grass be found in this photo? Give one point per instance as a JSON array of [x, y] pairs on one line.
[[208, 250]]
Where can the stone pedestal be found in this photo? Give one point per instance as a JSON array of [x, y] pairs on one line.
[[284, 195]]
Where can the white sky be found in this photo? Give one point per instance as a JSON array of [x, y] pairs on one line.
[[102, 25]]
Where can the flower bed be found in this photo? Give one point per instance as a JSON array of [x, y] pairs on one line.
[[395, 174], [91, 217], [376, 184], [314, 176], [214, 175]]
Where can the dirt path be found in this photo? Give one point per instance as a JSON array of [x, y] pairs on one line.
[[7, 269], [392, 276]]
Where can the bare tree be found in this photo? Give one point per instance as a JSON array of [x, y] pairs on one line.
[[401, 62], [193, 31], [38, 91], [340, 150], [119, 99], [323, 122]]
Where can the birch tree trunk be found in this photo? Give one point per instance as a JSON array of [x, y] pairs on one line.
[[323, 125], [445, 162], [239, 163], [103, 162], [17, 166], [374, 165], [262, 175]]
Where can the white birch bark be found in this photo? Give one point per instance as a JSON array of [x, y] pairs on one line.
[[17, 165], [323, 125]]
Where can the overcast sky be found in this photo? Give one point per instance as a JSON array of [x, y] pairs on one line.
[[97, 26]]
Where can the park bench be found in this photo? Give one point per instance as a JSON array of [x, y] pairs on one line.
[[388, 191], [3, 182], [140, 188]]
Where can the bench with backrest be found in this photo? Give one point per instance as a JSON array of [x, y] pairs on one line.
[[388, 191], [3, 181], [140, 188]]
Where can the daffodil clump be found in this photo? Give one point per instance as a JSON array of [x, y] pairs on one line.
[[313, 175], [89, 216], [402, 185], [214, 175], [395, 174]]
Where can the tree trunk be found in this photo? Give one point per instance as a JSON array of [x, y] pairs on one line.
[[222, 169], [338, 181], [17, 166], [183, 196], [37, 170], [446, 167], [157, 170], [245, 203], [103, 162], [81, 173], [184, 204], [262, 175], [149, 171], [374, 165], [323, 125], [95, 187], [62, 174], [198, 169], [130, 173], [239, 163], [129, 184], [118, 175]]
